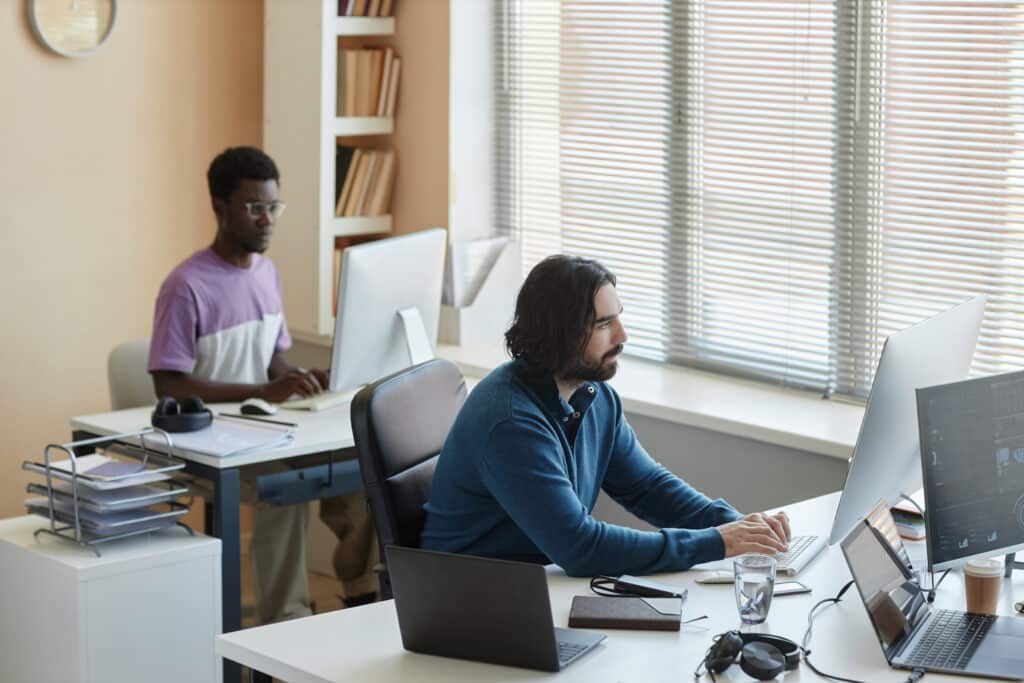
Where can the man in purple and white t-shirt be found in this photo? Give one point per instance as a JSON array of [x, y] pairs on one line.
[[219, 333], [219, 330]]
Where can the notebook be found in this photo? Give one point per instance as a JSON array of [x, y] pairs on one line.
[[646, 614]]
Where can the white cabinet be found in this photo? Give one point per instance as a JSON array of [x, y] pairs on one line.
[[147, 610]]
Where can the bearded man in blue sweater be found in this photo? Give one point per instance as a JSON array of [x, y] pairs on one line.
[[541, 435]]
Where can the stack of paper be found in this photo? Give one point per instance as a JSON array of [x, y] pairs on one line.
[[226, 437]]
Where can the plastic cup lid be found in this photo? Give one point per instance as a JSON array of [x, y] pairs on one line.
[[984, 568]]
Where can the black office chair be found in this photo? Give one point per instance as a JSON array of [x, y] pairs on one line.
[[400, 424]]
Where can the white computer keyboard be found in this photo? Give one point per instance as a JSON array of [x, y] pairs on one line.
[[322, 401], [802, 549]]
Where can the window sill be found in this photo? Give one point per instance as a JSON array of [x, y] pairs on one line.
[[784, 417]]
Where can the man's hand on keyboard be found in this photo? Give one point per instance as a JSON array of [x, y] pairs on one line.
[[756, 533], [301, 382]]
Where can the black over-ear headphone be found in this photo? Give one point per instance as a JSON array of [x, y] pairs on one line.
[[761, 655], [189, 416]]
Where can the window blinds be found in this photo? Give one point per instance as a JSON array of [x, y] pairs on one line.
[[778, 185], [947, 105]]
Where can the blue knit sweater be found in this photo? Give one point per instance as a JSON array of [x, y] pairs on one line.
[[520, 473]]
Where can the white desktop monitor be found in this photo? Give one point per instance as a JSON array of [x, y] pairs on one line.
[[886, 459], [389, 300]]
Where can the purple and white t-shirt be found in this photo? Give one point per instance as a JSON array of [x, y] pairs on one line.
[[218, 321]]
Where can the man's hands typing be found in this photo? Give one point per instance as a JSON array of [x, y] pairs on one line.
[[756, 533], [295, 381]]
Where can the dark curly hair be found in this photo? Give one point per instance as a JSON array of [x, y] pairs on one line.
[[236, 164], [554, 313]]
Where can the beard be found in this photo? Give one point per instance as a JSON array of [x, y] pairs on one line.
[[582, 371]]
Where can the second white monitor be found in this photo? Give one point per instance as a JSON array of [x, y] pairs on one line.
[[886, 458], [389, 300]]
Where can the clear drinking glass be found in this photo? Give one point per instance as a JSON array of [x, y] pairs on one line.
[[755, 584]]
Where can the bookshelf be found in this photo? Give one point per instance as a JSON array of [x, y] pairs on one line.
[[301, 131]]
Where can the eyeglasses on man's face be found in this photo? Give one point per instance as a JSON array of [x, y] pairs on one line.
[[257, 209]]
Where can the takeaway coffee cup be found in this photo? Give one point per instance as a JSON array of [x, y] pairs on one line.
[[982, 580]]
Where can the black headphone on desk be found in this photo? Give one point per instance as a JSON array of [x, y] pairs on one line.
[[761, 655], [189, 416]]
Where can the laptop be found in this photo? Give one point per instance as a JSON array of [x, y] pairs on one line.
[[487, 610], [915, 635]]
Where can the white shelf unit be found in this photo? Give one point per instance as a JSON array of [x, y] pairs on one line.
[[300, 128], [364, 26], [360, 225]]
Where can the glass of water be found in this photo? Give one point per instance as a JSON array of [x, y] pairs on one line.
[[755, 584]]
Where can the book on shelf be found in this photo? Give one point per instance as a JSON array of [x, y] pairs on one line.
[[342, 160], [385, 82], [364, 187], [358, 178], [347, 176], [396, 69], [367, 82], [373, 84], [380, 198], [365, 8], [367, 183]]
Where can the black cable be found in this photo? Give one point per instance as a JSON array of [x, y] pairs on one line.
[[931, 591], [914, 676], [807, 636]]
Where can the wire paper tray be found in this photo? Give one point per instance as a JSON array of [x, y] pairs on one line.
[[125, 498], [95, 498], [107, 525]]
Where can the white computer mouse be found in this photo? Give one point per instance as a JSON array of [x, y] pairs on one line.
[[717, 576], [257, 406]]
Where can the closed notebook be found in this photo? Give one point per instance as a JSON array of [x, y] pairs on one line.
[[648, 614]]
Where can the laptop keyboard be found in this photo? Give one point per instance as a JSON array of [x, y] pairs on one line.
[[951, 640], [784, 562], [566, 651]]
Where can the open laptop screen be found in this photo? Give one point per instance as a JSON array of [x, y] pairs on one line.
[[889, 590]]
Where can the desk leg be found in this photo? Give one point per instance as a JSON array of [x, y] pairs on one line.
[[226, 527]]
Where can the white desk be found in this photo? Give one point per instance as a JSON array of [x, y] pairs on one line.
[[363, 644], [326, 431], [318, 432]]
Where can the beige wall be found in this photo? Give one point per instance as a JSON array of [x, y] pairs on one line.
[[421, 121], [102, 164]]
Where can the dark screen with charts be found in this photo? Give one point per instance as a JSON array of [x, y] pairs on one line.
[[972, 456]]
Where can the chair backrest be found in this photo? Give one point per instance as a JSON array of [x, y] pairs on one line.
[[400, 424], [129, 380]]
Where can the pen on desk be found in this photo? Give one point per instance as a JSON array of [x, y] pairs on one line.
[[259, 419]]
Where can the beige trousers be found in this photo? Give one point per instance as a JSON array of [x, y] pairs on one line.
[[357, 551], [277, 549]]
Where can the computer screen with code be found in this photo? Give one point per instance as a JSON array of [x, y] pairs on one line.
[[972, 456]]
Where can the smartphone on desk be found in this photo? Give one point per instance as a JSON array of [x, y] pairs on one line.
[[790, 588]]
